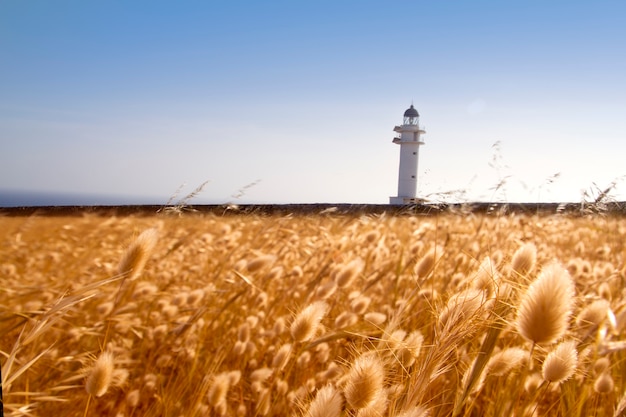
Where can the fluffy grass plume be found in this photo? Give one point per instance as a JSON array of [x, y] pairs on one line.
[[327, 403], [100, 375], [503, 362], [524, 259], [364, 382], [307, 322], [560, 364], [137, 254], [546, 307]]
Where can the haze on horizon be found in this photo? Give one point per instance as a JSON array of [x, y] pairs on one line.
[[136, 99]]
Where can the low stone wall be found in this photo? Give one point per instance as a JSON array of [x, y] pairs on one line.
[[618, 208]]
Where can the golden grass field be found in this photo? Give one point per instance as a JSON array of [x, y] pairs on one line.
[[451, 314]]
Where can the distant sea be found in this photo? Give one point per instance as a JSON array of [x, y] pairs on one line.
[[13, 198]]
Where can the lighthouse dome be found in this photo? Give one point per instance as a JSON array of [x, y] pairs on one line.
[[411, 112]]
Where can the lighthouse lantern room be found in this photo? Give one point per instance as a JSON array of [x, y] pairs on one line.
[[409, 139]]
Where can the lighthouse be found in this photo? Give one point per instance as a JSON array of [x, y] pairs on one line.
[[409, 138]]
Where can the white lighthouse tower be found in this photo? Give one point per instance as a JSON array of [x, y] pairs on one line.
[[409, 139]]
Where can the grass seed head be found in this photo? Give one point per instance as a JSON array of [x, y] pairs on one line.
[[132, 398], [243, 332], [604, 383], [137, 254], [218, 389], [501, 363], [326, 291], [560, 364], [601, 365], [260, 262], [281, 358], [461, 307], [546, 307], [101, 375], [328, 402], [261, 374], [416, 411], [375, 318], [592, 315], [348, 273], [524, 259], [377, 407], [346, 319], [427, 263], [485, 277], [307, 322], [360, 304], [364, 381]]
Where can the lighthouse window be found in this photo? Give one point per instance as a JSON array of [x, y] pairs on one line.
[[414, 153], [412, 176]]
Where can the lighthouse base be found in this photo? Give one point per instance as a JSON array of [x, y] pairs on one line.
[[401, 201]]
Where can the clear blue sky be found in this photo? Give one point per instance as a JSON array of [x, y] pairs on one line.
[[137, 98]]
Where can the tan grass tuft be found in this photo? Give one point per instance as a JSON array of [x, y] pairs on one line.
[[360, 304], [501, 363], [604, 383], [532, 383], [264, 403], [326, 291], [137, 254], [132, 398], [100, 376], [303, 359], [218, 389], [282, 356], [327, 403], [417, 411], [592, 315], [604, 291], [410, 348], [601, 365], [376, 408], [105, 308], [524, 259], [546, 307], [427, 263], [560, 364], [243, 332], [346, 319], [461, 307], [364, 381], [485, 277], [306, 323], [261, 374], [375, 317], [348, 273], [260, 262]]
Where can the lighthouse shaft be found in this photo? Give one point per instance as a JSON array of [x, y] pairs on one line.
[[409, 139]]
